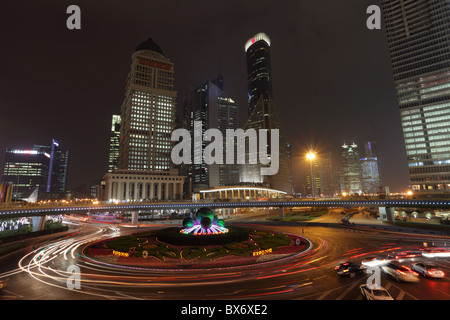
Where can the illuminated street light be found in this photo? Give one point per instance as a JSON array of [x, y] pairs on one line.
[[311, 156]]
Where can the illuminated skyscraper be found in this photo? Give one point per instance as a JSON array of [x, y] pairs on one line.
[[114, 143], [45, 167], [418, 34], [263, 115], [145, 170], [26, 169], [370, 169], [259, 74], [148, 111], [351, 169], [214, 109]]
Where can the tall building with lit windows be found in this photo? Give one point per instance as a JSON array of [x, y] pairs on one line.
[[418, 34], [42, 167], [114, 143], [148, 111], [145, 170], [263, 115], [211, 106], [350, 177]]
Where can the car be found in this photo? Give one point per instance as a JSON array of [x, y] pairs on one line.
[[348, 269], [428, 270], [400, 272], [408, 254], [370, 292], [373, 261], [436, 252]]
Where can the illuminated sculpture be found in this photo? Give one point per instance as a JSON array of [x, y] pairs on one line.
[[204, 222]]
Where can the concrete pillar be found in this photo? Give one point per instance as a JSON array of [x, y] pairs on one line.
[[280, 210], [387, 214], [38, 223], [135, 217], [159, 190]]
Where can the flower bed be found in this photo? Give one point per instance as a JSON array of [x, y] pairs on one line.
[[148, 251]]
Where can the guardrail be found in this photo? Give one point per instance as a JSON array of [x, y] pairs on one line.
[[67, 209]]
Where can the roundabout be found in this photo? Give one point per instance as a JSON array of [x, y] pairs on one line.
[[203, 243]]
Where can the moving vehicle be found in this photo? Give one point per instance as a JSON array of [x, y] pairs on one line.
[[408, 254], [373, 261], [374, 292], [428, 270], [400, 272], [436, 252], [348, 269]]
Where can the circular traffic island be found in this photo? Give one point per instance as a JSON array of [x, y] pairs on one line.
[[202, 243], [168, 249]]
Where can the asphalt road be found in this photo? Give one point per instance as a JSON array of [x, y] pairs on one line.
[[43, 271]]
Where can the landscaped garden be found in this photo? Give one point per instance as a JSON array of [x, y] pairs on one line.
[[168, 248], [202, 242]]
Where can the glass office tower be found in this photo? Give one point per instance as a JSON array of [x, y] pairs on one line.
[[26, 169], [351, 170], [418, 34], [259, 75], [114, 143], [211, 105], [263, 115], [148, 111]]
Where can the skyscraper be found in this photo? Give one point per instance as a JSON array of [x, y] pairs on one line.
[[351, 170], [418, 34], [45, 167], [370, 169], [145, 170], [148, 111], [25, 170], [114, 143], [58, 168], [263, 115], [322, 176], [210, 105], [259, 74]]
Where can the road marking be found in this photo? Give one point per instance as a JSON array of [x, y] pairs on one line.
[[400, 295], [343, 294], [443, 292], [323, 295]]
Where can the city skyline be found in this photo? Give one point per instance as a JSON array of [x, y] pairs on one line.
[[307, 79]]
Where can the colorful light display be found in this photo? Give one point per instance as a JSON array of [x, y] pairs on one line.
[[203, 223]]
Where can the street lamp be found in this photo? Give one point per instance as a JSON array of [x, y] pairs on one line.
[[311, 156]]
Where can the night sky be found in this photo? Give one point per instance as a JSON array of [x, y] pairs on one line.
[[332, 78]]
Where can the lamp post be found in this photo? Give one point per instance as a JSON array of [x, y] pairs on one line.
[[311, 156]]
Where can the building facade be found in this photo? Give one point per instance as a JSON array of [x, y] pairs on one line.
[[42, 167], [148, 111], [418, 34], [350, 175], [259, 71], [114, 143], [132, 185], [25, 170], [145, 171], [370, 169], [263, 115], [58, 168], [215, 110], [321, 176]]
